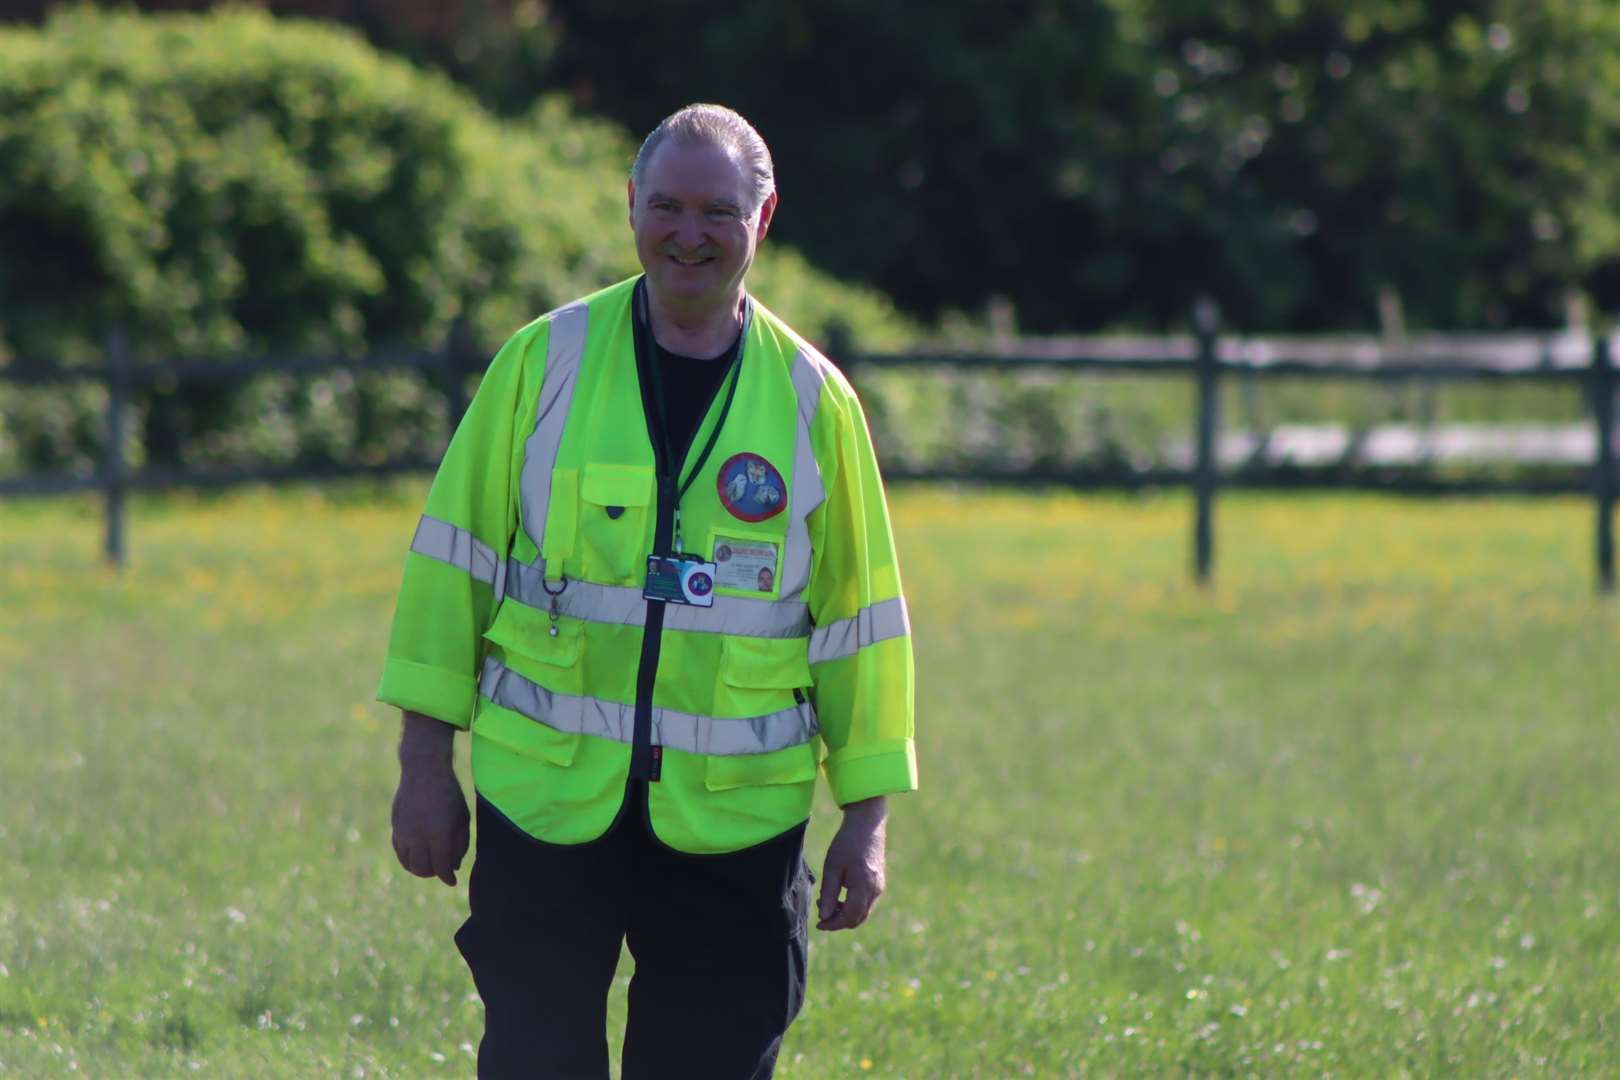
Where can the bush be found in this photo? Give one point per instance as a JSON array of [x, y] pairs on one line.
[[231, 183]]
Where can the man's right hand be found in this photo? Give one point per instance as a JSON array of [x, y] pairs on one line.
[[430, 812]]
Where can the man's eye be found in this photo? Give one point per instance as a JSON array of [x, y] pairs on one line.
[[722, 214]]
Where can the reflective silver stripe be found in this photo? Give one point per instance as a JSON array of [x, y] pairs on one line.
[[809, 372], [612, 720], [878, 622], [565, 345], [624, 605], [449, 544]]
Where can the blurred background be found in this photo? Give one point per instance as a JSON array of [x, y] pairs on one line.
[[344, 177], [1344, 809]]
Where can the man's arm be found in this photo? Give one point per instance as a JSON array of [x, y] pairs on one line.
[[430, 816], [447, 598], [860, 657]]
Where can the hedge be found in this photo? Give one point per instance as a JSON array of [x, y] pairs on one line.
[[231, 183]]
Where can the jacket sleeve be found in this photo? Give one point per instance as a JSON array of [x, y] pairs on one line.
[[860, 651], [457, 558]]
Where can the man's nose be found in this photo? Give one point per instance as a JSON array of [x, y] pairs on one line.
[[689, 230]]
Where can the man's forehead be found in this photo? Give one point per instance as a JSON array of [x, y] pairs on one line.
[[695, 170]]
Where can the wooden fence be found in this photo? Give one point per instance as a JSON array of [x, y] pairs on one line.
[[1204, 357]]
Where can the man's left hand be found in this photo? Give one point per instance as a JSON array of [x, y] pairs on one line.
[[854, 866]]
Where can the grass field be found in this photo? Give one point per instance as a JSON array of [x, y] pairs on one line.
[[1349, 813]]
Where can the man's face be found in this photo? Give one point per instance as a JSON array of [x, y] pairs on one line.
[[694, 234]]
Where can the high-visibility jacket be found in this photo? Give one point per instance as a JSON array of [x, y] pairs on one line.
[[522, 614]]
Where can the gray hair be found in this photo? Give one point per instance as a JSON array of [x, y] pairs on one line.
[[714, 125]]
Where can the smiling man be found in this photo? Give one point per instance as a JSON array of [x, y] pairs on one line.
[[656, 580]]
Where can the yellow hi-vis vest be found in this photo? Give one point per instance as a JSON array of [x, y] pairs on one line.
[[522, 615]]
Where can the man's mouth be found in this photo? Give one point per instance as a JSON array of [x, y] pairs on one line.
[[689, 260]]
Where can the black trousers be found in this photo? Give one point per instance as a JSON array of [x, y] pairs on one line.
[[719, 943]]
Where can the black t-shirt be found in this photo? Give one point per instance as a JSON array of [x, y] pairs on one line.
[[689, 386]]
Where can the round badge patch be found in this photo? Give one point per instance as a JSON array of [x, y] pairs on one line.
[[700, 584], [751, 488]]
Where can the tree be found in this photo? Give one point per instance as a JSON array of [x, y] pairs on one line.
[[1105, 163]]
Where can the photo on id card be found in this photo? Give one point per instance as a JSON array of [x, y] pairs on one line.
[[745, 564]]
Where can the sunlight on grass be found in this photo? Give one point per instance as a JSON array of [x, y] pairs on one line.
[[1349, 810]]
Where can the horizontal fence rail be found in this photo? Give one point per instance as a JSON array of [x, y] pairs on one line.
[[1285, 458]]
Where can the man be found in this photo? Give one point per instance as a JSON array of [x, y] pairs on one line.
[[646, 723]]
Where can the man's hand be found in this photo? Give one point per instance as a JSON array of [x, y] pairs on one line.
[[430, 812], [854, 866]]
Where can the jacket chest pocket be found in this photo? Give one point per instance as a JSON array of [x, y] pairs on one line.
[[614, 523]]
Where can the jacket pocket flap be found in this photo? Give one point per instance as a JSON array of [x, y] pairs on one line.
[[766, 663], [526, 631], [616, 485], [794, 765], [525, 737]]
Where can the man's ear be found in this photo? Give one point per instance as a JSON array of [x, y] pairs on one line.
[[767, 211], [630, 200]]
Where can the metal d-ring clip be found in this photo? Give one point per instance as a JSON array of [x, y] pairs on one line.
[[546, 585]]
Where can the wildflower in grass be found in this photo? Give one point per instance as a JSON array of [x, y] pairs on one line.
[[1366, 898]]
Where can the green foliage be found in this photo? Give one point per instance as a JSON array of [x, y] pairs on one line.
[[1448, 153], [231, 183], [1102, 164], [1348, 812]]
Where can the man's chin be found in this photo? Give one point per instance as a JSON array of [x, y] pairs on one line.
[[689, 288]]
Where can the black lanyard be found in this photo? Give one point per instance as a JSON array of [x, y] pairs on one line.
[[668, 467]]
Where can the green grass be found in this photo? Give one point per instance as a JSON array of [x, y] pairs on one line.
[[1350, 812]]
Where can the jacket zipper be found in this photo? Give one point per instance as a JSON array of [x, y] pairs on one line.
[[646, 760]]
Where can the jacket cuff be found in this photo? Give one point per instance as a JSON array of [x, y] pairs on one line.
[[868, 771], [443, 695]]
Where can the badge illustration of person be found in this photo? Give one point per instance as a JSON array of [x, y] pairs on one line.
[[763, 484], [751, 488]]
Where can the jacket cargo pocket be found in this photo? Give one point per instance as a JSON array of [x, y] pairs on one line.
[[524, 736], [794, 765], [614, 526], [765, 663], [526, 631], [759, 676], [538, 665]]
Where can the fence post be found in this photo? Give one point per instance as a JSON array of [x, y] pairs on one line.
[[112, 465], [1603, 487], [1206, 320], [455, 367]]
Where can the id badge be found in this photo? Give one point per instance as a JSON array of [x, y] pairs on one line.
[[679, 579]]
